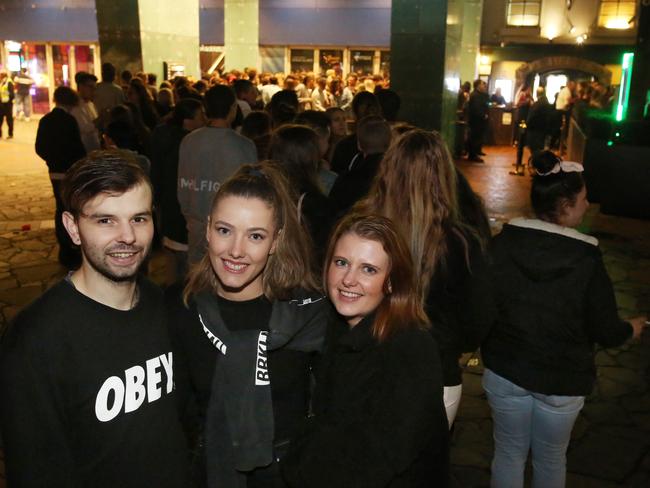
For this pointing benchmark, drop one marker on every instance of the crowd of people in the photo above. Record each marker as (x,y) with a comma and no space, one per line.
(331,268)
(538,122)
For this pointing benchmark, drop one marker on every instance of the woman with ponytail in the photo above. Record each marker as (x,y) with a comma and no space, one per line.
(251,320)
(555,301)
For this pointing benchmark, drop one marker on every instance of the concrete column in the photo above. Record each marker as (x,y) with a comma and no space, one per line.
(241,34)
(470,39)
(139,35)
(429,45)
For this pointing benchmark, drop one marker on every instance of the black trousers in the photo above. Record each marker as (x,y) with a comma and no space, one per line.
(6,112)
(475,139)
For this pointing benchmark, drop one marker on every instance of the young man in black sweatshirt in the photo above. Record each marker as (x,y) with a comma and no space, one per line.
(87,393)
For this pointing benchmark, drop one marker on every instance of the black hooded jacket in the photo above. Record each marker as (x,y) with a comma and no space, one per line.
(554,300)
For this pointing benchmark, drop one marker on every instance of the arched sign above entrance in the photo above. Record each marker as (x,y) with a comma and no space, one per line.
(551,63)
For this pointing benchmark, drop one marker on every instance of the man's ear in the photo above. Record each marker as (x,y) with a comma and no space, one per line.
(70,224)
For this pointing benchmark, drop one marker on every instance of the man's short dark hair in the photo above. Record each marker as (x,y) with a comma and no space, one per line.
(374,134)
(65,96)
(108,72)
(317,120)
(152,78)
(390,102)
(112,171)
(82,77)
(218,101)
(123,134)
(365,103)
(126,76)
(242,86)
(477,83)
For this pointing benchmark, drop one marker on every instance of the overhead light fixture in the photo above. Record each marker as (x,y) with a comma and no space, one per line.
(580,39)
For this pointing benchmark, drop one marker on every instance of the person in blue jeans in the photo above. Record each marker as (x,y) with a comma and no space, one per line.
(555,301)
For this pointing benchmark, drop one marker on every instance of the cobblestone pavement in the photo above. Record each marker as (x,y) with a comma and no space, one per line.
(611,440)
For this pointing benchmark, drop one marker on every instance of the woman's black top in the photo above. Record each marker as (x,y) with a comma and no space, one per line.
(290,369)
(379,416)
(195,358)
(459,302)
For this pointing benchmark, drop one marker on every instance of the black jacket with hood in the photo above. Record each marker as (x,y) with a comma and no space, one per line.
(555,300)
(379,418)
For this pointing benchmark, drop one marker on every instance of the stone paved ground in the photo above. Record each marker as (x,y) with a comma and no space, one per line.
(611,439)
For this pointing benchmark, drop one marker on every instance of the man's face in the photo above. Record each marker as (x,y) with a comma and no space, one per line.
(250,95)
(114,232)
(87,90)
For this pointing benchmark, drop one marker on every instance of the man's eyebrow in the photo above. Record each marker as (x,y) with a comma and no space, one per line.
(106,216)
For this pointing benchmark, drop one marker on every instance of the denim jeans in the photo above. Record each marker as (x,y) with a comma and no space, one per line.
(526,420)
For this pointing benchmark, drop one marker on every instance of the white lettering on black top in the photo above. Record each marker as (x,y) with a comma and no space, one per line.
(262,365)
(128,394)
(218,343)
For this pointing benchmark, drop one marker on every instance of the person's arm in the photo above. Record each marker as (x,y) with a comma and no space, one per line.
(32,416)
(602,321)
(371,451)
(41,145)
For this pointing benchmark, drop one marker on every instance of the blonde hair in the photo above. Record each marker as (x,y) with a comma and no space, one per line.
(416,189)
(290,266)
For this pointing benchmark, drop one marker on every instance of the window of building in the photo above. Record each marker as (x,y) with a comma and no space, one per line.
(362,62)
(331,59)
(302,60)
(384,64)
(523,12)
(616,14)
(272,58)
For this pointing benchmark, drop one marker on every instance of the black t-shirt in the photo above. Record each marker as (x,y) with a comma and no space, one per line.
(87,394)
(289,370)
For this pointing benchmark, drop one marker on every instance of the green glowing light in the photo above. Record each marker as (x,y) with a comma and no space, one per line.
(610,143)
(624,88)
(618,134)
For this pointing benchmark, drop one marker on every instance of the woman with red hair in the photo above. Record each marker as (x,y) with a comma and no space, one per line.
(379,416)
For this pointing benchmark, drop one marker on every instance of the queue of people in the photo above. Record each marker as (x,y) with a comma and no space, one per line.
(312,338)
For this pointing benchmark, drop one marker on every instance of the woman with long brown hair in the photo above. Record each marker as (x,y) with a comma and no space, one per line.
(416,187)
(296,149)
(379,419)
(246,334)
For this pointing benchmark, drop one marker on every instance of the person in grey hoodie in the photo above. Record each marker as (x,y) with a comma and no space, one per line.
(207,157)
